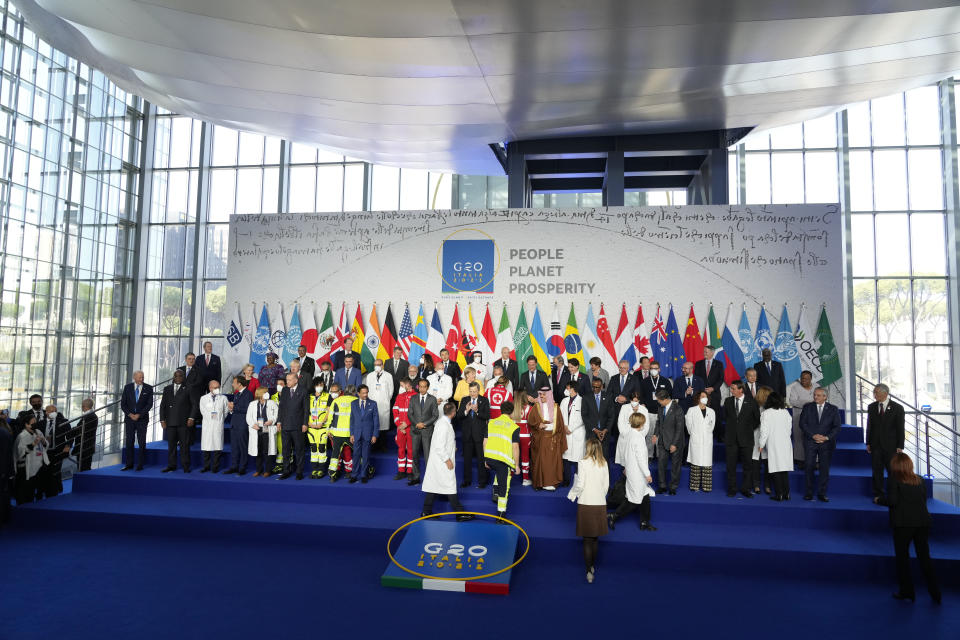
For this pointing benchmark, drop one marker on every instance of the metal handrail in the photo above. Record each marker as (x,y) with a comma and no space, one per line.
(906,404)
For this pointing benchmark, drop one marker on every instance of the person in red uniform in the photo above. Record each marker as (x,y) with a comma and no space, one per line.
(521,409)
(404,438)
(497,395)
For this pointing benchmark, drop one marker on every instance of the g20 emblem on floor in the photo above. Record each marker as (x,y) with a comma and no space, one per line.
(468,557)
(468,260)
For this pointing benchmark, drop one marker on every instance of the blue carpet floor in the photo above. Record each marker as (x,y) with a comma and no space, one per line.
(211,556)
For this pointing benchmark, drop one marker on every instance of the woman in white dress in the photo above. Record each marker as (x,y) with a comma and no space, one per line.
(623,426)
(700,421)
(576,431)
(635,467)
(590,490)
(440,476)
(759,456)
(262,425)
(799,393)
(775,440)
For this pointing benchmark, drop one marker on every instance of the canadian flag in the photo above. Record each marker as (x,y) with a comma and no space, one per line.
(641,339)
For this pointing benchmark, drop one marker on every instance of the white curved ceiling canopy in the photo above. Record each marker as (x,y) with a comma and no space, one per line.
(431,83)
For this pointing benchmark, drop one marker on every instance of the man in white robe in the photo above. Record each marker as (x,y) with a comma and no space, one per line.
(440,476)
(213,408)
(380,383)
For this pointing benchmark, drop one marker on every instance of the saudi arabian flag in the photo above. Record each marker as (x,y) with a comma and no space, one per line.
(827,350)
(521,338)
(712,335)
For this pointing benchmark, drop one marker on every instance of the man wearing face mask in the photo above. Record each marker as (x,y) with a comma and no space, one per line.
(35,411)
(448,366)
(380,385)
(338,431)
(441,386)
(58,433)
(239,427)
(326,374)
(317,432)
(213,408)
(648,390)
(404,437)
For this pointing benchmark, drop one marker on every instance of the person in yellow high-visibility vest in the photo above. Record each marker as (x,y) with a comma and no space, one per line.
(338,430)
(501,452)
(317,429)
(278,465)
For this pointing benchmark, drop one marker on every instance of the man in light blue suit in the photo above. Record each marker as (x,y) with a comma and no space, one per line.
(364,429)
(349,375)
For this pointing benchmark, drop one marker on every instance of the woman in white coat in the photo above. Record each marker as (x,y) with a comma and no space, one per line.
(590,491)
(262,423)
(799,394)
(760,477)
(775,438)
(213,409)
(30,456)
(440,476)
(635,467)
(700,422)
(624,430)
(576,431)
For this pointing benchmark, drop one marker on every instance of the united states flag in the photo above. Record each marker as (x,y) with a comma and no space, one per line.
(406,331)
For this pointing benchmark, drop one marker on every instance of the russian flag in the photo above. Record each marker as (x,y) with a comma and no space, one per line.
(733,363)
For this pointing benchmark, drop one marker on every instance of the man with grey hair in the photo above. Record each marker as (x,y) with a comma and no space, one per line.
(135,403)
(885,433)
(820,424)
(86,442)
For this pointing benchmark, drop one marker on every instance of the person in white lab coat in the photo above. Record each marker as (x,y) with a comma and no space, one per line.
(441,386)
(30,456)
(799,394)
(380,384)
(483,371)
(262,423)
(575,429)
(701,421)
(760,476)
(623,427)
(775,439)
(440,476)
(213,408)
(635,467)
(590,490)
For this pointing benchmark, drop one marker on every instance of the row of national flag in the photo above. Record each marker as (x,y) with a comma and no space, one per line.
(612,340)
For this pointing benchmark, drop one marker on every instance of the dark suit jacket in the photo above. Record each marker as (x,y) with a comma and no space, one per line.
(558,382)
(63,436)
(583,384)
(337,359)
(774,379)
(7,468)
(213,372)
(739,431)
(885,433)
(194,384)
(671,427)
(715,380)
(509,370)
(680,390)
(241,401)
(355,378)
(176,409)
(308,368)
(477,423)
(540,380)
(452,369)
(908,504)
(396,372)
(647,390)
(427,416)
(129,403)
(604,417)
(632,384)
(746,388)
(827,425)
(294,408)
(365,424)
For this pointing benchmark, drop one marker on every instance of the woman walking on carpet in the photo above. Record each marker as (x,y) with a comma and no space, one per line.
(590,491)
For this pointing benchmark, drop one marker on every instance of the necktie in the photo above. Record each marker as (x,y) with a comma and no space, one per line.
(598,401)
(176,389)
(421,403)
(707,366)
(739,404)
(187,372)
(362,404)
(753,389)
(137,396)
(768,368)
(208,359)
(623,382)
(819,412)
(569,410)
(881,409)
(531,380)
(689,383)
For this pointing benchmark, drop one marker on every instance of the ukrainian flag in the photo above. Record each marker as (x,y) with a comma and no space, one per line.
(572,342)
(538,342)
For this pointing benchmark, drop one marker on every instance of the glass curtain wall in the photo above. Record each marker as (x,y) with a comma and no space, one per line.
(69,177)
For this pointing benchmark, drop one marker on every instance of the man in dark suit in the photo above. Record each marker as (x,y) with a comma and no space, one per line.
(509,367)
(770,373)
(885,433)
(293,418)
(743,416)
(35,410)
(135,403)
(448,366)
(239,432)
(599,415)
(558,378)
(474,412)
(572,374)
(711,371)
(422,413)
(622,384)
(750,384)
(209,366)
(177,419)
(532,380)
(60,437)
(397,368)
(308,366)
(193,381)
(687,386)
(338,360)
(326,374)
(364,429)
(649,387)
(820,423)
(671,432)
(349,375)
(86,435)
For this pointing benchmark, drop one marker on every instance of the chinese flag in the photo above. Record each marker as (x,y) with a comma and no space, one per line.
(692,340)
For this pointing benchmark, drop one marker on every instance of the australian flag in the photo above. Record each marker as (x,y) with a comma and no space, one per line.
(658,341)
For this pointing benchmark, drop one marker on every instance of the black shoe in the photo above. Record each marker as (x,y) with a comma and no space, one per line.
(823,498)
(937,599)
(413,481)
(284,476)
(206,470)
(673,492)
(140,468)
(900,596)
(482,485)
(186,470)
(216,470)
(169,469)
(334,477)
(242,472)
(465,517)
(746,494)
(364,480)
(299,476)
(611,521)
(230,471)
(401,476)
(731,494)
(808,497)
(646,526)
(353,479)
(126,468)
(465,484)
(777,498)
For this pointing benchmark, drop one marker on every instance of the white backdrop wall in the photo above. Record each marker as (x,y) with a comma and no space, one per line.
(725,255)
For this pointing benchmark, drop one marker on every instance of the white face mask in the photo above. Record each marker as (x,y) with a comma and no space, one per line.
(51,414)
(655,373)
(421,360)
(334,394)
(318,388)
(566,392)
(703,401)
(378,369)
(634,403)
(477,359)
(215,391)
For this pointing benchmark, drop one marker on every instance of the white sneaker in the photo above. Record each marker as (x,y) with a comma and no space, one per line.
(527,483)
(550,488)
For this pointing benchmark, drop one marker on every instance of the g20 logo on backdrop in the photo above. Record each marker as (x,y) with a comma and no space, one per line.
(468,260)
